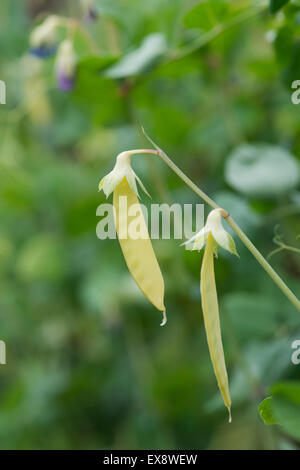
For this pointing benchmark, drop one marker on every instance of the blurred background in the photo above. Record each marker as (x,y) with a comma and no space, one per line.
(87,364)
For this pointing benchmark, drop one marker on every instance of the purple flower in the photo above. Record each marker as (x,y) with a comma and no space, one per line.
(91,15)
(65,83)
(65,66)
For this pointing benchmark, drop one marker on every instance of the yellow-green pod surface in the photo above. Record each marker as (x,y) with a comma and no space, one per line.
(212,322)
(138,252)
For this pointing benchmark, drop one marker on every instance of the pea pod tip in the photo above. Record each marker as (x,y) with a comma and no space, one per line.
(164,320)
(229,411)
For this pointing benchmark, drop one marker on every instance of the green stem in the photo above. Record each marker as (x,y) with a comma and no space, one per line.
(239,232)
(284,247)
(217,30)
(264,263)
(73,23)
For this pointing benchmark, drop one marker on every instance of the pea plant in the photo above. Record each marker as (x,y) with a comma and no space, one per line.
(55,37)
(143,265)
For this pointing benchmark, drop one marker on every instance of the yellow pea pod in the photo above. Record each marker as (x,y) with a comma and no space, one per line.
(138,252)
(212,322)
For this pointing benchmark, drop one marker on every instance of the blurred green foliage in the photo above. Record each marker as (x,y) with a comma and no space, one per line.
(87,364)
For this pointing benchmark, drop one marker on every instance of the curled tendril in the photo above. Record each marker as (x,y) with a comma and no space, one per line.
(278,240)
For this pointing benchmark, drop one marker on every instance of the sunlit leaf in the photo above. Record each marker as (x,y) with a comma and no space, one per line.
(138,61)
(265,411)
(262,170)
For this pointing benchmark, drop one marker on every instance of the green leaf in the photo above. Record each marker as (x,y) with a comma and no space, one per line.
(206,15)
(140,60)
(96,63)
(265,411)
(262,170)
(95,93)
(275,5)
(288,390)
(283,407)
(284,44)
(286,407)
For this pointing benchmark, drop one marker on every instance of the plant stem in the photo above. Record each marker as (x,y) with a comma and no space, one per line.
(83,31)
(264,263)
(239,232)
(217,30)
